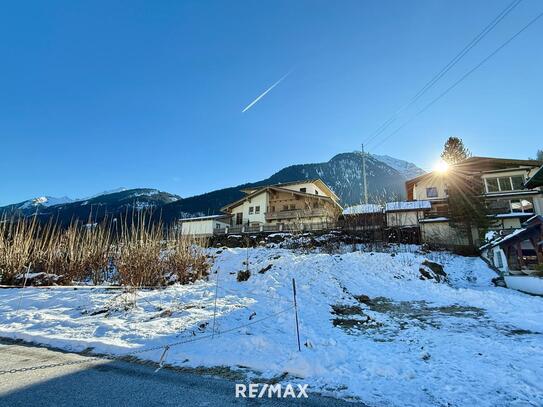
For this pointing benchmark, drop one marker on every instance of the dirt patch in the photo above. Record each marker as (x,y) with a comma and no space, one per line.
(351,317)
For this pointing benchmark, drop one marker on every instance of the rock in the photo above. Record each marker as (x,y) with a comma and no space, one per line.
(430,270)
(243,275)
(364,299)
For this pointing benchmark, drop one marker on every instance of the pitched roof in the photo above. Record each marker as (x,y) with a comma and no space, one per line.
(319,181)
(477,164)
(275,188)
(197,218)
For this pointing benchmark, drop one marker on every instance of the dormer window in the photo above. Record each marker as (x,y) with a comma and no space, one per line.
(303,189)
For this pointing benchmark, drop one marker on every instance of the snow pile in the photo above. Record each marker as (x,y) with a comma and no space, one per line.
(371,328)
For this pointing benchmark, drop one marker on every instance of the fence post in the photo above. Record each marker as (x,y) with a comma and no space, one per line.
(215,306)
(296,313)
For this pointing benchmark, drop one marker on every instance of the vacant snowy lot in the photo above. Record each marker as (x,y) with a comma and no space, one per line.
(371,329)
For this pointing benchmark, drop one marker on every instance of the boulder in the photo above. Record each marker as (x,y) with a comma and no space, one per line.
(430,270)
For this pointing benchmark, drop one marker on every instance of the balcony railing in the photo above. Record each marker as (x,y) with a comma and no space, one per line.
(295,214)
(277,227)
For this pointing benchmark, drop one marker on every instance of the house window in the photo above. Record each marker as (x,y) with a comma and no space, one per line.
(431,192)
(513,183)
(316,192)
(521,206)
(303,189)
(251,210)
(505,184)
(518,182)
(273,209)
(292,207)
(285,207)
(217,226)
(492,185)
(239,218)
(257,210)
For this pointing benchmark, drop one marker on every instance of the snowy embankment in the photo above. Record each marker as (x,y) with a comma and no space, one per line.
(371,329)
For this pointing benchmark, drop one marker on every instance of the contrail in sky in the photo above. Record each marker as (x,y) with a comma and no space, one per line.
(265,92)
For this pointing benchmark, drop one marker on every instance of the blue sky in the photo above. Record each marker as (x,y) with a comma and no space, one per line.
(102,94)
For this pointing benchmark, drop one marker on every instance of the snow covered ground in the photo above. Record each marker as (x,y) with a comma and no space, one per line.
(371,330)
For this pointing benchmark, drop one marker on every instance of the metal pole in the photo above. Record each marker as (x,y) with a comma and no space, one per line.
(296,313)
(364,180)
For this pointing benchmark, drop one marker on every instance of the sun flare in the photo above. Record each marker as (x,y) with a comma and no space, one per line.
(441,167)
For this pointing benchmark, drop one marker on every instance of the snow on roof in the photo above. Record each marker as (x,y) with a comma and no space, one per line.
(513,215)
(494,194)
(364,208)
(203,218)
(408,206)
(438,219)
(502,239)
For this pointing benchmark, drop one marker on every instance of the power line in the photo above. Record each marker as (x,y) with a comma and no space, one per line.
(461,79)
(446,68)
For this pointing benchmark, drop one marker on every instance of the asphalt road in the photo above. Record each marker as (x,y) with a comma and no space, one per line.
(116,383)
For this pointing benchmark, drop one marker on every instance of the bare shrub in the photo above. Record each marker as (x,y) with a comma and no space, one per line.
(185,259)
(138,258)
(16,246)
(143,253)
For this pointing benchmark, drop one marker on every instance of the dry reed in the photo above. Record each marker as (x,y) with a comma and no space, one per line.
(142,253)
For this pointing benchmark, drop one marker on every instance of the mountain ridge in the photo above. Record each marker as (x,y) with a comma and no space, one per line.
(342,173)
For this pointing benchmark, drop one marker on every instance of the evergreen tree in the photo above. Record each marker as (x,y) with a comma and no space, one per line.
(539,155)
(454,151)
(467,208)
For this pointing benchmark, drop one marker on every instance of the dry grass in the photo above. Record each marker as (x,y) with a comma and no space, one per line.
(141,254)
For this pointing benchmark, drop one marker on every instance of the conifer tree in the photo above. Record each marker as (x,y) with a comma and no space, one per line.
(454,151)
(467,207)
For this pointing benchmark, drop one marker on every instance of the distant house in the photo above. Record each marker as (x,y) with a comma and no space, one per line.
(299,205)
(363,217)
(406,214)
(503,183)
(203,225)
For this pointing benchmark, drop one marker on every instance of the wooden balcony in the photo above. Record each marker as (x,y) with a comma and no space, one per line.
(296,214)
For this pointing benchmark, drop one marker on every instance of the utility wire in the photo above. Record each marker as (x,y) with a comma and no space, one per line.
(445,69)
(461,79)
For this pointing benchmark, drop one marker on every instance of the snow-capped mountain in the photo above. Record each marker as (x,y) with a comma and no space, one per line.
(98,207)
(407,169)
(44,201)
